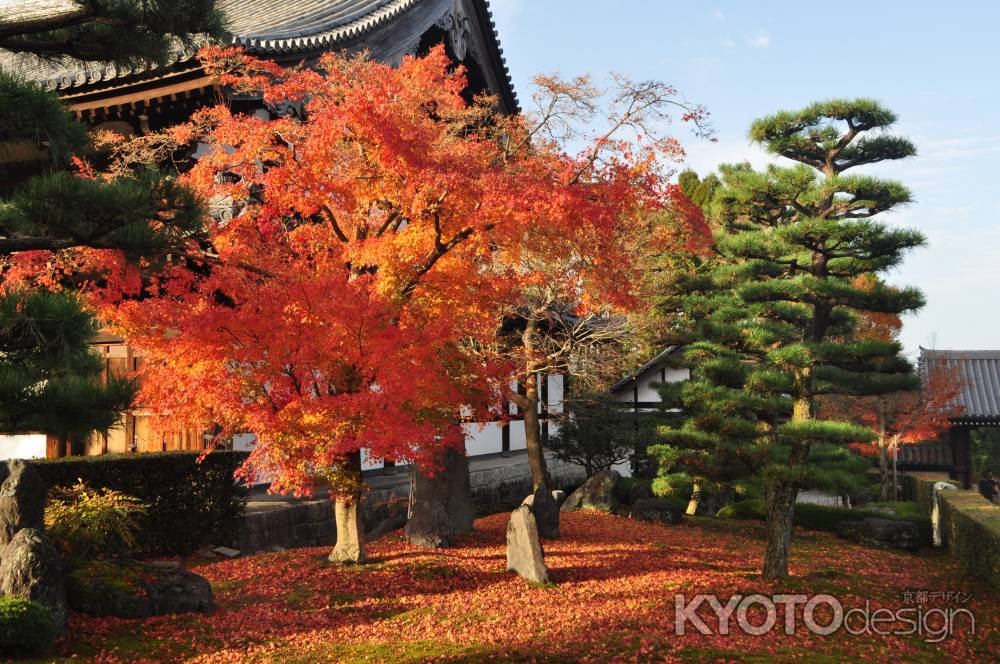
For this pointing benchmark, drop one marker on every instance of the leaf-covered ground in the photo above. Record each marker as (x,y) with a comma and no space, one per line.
(612,600)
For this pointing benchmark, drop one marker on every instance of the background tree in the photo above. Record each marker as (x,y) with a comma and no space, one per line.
(576,292)
(60,228)
(598,433)
(779,315)
(919,412)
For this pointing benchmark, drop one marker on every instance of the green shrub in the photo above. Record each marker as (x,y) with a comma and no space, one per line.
(971,526)
(826,517)
(26,627)
(87,523)
(744,509)
(189,503)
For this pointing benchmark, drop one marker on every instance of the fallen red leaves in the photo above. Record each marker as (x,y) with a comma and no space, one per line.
(613,601)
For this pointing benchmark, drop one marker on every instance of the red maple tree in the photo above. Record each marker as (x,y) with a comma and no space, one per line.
(376,236)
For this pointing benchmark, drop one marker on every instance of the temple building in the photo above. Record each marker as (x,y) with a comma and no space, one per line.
(133,101)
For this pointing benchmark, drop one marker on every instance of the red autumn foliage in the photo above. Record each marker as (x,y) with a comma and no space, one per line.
(371,243)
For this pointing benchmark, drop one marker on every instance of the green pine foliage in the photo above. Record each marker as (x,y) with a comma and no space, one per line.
(773,317)
(50,377)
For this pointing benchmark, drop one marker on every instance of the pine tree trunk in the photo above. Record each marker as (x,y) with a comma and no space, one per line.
(780,494)
(780,497)
(883,458)
(350,546)
(883,470)
(692,507)
(895,479)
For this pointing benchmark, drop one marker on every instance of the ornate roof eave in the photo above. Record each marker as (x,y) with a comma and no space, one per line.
(97,80)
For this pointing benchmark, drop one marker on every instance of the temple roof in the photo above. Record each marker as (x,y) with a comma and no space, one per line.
(979,375)
(267,28)
(659,360)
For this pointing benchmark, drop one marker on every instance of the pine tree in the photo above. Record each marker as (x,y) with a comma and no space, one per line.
(775,318)
(50,380)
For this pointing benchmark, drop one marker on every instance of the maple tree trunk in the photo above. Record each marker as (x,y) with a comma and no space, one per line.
(350,546)
(780,497)
(692,507)
(533,438)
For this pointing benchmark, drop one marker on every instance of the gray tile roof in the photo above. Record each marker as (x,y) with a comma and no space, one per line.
(264,27)
(979,373)
(655,363)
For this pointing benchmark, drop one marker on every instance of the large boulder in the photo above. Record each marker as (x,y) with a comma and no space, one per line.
(524,548)
(442,502)
(22,498)
(597,493)
(883,533)
(134,589)
(654,509)
(428,525)
(546,512)
(30,569)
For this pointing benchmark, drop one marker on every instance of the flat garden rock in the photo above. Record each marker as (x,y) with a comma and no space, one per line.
(883,533)
(30,569)
(134,589)
(524,548)
(597,493)
(22,498)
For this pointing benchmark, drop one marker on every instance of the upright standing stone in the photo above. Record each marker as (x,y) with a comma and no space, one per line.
(350,546)
(29,568)
(22,498)
(524,549)
(546,512)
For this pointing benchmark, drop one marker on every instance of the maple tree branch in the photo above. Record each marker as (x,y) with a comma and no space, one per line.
(331,220)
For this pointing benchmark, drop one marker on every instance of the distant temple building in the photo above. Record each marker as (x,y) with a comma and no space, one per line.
(135,101)
(979,400)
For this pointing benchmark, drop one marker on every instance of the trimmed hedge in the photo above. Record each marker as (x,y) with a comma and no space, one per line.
(971,529)
(919,488)
(825,517)
(190,503)
(26,627)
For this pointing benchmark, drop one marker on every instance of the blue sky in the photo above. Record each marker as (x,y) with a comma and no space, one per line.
(934,63)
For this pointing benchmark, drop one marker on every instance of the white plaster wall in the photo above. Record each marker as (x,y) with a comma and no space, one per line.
(480,438)
(648,380)
(22,446)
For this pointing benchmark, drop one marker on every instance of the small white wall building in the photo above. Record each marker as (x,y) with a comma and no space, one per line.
(640,388)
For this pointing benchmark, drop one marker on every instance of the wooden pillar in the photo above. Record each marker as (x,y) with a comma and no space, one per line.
(961,455)
(505,439)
